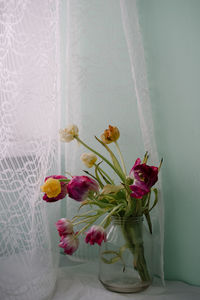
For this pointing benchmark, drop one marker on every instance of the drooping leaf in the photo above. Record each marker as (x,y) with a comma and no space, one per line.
(155,200)
(88,173)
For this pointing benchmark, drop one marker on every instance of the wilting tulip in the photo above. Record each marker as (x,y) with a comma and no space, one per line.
(69,133)
(79,187)
(96,234)
(89,159)
(54,189)
(110,135)
(64,227)
(111,189)
(144,178)
(69,243)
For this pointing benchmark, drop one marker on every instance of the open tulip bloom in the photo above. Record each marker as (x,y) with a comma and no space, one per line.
(129,197)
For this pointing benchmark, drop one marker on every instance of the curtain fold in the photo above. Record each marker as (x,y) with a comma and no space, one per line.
(29,122)
(130,21)
(107,84)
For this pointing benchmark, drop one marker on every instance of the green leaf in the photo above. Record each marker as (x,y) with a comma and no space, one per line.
(113,259)
(97,176)
(148,221)
(104,177)
(88,173)
(116,163)
(155,200)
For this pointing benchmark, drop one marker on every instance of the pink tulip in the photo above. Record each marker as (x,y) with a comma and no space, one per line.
(69,243)
(144,178)
(63,189)
(96,234)
(64,227)
(80,186)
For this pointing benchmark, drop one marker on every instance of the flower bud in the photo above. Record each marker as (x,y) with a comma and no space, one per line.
(89,159)
(110,135)
(69,133)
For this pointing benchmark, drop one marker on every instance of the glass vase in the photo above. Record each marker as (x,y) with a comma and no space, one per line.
(125,258)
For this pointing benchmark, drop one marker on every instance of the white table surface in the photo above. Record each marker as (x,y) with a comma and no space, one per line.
(80,282)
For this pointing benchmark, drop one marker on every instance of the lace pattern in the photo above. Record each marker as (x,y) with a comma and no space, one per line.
(29,109)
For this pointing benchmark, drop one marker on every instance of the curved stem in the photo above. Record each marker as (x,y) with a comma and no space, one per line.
(102,157)
(110,214)
(121,158)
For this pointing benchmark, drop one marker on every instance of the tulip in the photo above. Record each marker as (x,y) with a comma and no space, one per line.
(110,135)
(69,133)
(96,234)
(80,186)
(89,159)
(111,189)
(144,178)
(54,189)
(64,227)
(69,243)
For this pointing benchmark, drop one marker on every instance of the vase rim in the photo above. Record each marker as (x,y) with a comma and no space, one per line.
(131,219)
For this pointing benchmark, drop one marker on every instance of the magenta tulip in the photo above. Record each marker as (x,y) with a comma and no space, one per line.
(69,243)
(80,186)
(64,227)
(96,234)
(144,178)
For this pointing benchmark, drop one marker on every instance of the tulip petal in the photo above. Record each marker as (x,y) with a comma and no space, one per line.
(79,187)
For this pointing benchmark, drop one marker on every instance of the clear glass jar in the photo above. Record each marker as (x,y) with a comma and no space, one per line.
(125,258)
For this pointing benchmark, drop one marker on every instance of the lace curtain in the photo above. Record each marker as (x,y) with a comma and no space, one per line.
(103,81)
(29,122)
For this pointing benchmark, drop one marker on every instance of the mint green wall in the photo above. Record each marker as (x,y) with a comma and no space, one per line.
(171,35)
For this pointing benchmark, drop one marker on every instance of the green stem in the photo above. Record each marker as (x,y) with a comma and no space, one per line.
(83,229)
(102,157)
(84,215)
(111,213)
(87,220)
(134,239)
(121,158)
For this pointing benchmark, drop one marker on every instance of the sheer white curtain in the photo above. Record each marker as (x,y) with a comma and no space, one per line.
(106,83)
(103,82)
(29,122)
(130,21)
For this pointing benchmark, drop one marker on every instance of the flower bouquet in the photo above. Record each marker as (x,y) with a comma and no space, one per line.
(126,200)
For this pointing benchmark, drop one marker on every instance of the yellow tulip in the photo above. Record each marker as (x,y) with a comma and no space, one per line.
(51,187)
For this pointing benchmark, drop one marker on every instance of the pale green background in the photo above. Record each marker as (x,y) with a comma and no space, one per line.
(171,35)
(170,30)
